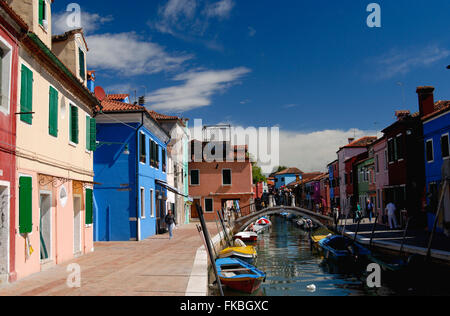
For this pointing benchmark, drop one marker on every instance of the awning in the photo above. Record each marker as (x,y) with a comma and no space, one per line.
(169,187)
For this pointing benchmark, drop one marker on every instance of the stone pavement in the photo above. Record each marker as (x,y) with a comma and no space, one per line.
(154,267)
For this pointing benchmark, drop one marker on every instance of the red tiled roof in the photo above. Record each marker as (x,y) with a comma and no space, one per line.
(362,142)
(439,107)
(116,106)
(117,97)
(290,171)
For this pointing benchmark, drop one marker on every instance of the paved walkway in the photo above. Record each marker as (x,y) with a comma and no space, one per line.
(154,267)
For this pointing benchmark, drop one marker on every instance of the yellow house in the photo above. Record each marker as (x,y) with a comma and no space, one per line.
(56,134)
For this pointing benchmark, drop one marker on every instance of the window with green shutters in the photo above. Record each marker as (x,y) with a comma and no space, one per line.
(53,113)
(74,131)
(89,207)
(82,64)
(42,12)
(91,134)
(25,205)
(26,95)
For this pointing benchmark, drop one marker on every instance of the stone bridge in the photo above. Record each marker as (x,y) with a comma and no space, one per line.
(319,219)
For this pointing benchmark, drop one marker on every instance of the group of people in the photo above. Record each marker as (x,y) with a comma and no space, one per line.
(389,216)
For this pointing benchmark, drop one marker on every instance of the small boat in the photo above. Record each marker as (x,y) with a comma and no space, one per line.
(320,234)
(306,223)
(388,263)
(246,236)
(342,248)
(239,275)
(264,222)
(241,251)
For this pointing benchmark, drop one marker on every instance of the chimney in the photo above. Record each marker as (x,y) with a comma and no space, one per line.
(351,140)
(91,81)
(426,100)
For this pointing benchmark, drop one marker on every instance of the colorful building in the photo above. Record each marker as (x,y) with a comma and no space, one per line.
(406,167)
(215,184)
(354,148)
(11,28)
(381,172)
(285,177)
(54,145)
(130,172)
(436,130)
(333,170)
(365,173)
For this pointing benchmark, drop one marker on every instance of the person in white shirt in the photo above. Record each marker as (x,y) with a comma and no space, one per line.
(390,208)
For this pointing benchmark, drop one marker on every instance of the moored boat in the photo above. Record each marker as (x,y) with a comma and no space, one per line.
(246,253)
(340,248)
(239,275)
(320,234)
(246,236)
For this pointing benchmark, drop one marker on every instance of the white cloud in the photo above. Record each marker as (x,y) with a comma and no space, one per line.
(186,18)
(90,22)
(219,9)
(313,151)
(400,62)
(128,54)
(196,91)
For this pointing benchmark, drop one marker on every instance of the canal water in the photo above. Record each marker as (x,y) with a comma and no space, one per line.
(284,254)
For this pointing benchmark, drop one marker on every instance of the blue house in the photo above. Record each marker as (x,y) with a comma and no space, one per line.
(130,172)
(436,128)
(285,177)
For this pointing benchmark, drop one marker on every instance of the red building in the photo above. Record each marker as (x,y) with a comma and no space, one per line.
(221,182)
(351,180)
(11,26)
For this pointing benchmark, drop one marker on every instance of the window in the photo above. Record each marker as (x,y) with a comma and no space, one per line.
(154,154)
(195,177)
(53,113)
(226,177)
(25,205)
(399,147)
(89,207)
(386,167)
(42,12)
(142,203)
(445,146)
(91,134)
(391,151)
(26,95)
(5,75)
(143,151)
(82,64)
(152,209)
(74,131)
(430,151)
(377,163)
(163,156)
(209,206)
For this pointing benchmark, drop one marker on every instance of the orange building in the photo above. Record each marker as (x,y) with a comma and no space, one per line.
(222,178)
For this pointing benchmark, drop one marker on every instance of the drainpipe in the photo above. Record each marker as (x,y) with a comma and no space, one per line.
(137,175)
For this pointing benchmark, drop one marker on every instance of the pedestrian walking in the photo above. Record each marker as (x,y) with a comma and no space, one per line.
(370,208)
(358,215)
(170,221)
(392,219)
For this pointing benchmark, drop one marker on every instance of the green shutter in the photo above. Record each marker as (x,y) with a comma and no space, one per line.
(25,205)
(41,11)
(74,124)
(26,95)
(53,113)
(88,133)
(82,63)
(93,134)
(89,207)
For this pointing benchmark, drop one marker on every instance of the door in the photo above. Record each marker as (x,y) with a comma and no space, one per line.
(194,211)
(77,225)
(4,228)
(45,230)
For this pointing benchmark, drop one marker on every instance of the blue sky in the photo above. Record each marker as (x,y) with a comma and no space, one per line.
(305,66)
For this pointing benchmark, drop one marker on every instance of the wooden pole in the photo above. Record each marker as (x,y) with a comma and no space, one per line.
(373,231)
(224,229)
(208,246)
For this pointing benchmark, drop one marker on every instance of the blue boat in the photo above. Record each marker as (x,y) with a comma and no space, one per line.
(239,275)
(342,248)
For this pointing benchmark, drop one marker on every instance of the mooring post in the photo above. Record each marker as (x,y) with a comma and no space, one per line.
(227,239)
(438,213)
(208,245)
(373,231)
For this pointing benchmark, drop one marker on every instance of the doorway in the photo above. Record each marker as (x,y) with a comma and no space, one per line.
(194,211)
(4,236)
(77,225)
(45,224)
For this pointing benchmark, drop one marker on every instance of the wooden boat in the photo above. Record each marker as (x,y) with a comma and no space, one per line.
(320,234)
(388,263)
(239,275)
(246,236)
(247,253)
(342,248)
(305,223)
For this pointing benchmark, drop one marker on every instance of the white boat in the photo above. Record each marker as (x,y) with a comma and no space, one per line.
(247,236)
